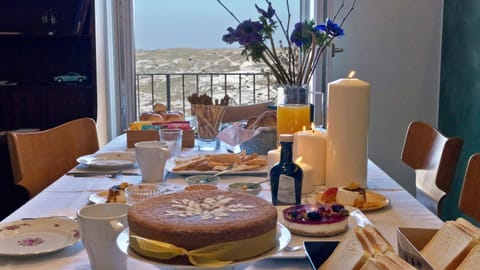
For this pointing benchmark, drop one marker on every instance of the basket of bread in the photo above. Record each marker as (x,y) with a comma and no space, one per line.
(146,129)
(265,139)
(257,135)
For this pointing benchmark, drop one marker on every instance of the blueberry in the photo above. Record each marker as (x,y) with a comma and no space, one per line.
(314,216)
(294,214)
(337,207)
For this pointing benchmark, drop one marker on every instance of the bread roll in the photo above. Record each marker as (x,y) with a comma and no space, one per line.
(173,117)
(159,107)
(151,117)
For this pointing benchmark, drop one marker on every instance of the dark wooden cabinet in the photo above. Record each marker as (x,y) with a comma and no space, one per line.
(41,39)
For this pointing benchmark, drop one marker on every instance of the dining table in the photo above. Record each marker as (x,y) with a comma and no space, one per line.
(69,194)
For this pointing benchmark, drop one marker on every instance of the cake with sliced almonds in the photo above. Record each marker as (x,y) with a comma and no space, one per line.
(218,224)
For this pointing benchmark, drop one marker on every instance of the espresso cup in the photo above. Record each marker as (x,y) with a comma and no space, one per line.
(151,159)
(100,225)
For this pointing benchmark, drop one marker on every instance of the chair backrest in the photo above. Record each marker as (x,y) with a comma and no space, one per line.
(434,158)
(243,112)
(469,202)
(39,158)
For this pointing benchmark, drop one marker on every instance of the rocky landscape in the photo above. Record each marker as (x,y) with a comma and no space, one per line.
(210,65)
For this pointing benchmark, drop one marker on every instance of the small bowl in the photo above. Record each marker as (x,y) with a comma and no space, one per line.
(203,179)
(251,188)
(140,192)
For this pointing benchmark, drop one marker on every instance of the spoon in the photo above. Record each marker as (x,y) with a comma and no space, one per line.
(207,179)
(292,248)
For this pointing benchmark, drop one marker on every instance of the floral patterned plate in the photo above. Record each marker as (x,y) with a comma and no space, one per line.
(37,236)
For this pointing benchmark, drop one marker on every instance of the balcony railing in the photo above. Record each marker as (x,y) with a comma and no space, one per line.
(173,89)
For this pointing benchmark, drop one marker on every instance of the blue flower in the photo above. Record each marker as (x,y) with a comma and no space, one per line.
(295,62)
(330,28)
(267,14)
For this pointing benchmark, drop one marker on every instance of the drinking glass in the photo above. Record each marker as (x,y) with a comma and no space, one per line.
(293,109)
(173,136)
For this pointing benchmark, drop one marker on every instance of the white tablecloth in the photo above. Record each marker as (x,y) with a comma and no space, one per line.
(68,194)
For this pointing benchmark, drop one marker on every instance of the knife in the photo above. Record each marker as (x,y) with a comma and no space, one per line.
(110,175)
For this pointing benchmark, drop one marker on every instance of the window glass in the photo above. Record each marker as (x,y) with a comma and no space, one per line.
(185,37)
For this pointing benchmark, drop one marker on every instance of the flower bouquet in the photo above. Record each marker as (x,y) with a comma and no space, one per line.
(295,63)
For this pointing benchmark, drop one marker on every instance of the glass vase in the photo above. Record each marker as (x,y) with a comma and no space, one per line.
(293,109)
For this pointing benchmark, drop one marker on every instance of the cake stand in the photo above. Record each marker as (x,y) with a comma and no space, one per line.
(283,238)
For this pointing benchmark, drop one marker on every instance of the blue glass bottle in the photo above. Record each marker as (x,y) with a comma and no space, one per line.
(286,176)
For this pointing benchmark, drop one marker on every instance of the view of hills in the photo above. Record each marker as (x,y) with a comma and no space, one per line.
(197,61)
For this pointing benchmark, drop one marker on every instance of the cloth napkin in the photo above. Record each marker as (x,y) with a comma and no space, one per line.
(236,134)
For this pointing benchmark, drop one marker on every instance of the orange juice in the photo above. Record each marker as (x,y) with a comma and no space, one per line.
(292,118)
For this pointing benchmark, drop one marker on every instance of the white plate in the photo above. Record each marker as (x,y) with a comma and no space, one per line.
(108,160)
(171,164)
(37,236)
(356,218)
(99,197)
(283,238)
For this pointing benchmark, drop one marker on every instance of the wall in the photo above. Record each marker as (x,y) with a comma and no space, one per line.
(395,46)
(459,113)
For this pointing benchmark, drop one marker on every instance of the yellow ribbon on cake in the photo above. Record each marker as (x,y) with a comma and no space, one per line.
(216,255)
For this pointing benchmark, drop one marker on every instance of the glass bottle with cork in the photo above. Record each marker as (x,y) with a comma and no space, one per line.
(286,176)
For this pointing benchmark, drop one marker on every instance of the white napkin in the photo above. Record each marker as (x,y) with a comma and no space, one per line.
(236,134)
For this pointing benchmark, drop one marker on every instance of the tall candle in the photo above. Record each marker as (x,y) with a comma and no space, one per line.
(311,146)
(347,131)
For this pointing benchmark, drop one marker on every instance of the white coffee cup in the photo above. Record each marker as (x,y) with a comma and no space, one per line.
(151,158)
(99,226)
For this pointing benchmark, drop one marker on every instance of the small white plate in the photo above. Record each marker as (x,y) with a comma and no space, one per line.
(283,238)
(99,197)
(37,236)
(108,160)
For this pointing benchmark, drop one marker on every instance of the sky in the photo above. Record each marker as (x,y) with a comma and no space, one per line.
(163,24)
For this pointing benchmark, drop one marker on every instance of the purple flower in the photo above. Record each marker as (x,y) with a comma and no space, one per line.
(229,38)
(247,32)
(301,34)
(267,14)
(330,28)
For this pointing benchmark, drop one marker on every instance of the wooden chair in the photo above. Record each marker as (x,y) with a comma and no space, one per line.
(243,112)
(469,202)
(434,158)
(39,158)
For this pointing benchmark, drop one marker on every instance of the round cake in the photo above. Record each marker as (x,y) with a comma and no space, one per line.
(215,221)
(316,219)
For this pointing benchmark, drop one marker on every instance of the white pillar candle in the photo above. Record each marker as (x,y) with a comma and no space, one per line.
(347,131)
(307,180)
(311,146)
(273,157)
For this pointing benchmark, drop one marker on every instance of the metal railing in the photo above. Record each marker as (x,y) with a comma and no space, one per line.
(173,89)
